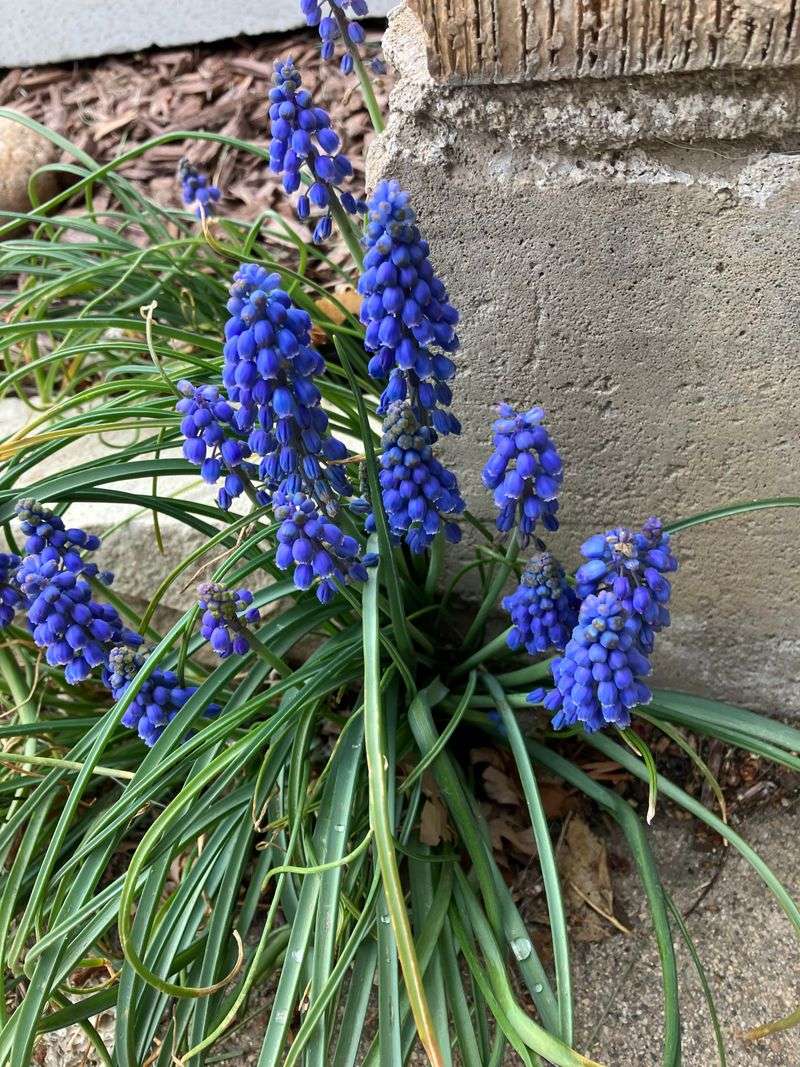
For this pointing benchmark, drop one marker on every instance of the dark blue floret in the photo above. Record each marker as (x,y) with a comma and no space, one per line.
(420,496)
(196,189)
(302,137)
(525,472)
(543,608)
(213,441)
(10,596)
(410,322)
(633,564)
(320,554)
(225,615)
(599,678)
(322,14)
(160,698)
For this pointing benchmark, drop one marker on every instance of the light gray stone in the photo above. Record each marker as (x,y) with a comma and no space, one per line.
(31,35)
(627,254)
(22,152)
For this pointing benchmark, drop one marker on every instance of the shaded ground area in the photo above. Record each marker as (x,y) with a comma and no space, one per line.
(107,106)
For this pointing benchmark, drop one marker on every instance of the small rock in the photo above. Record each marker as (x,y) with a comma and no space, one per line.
(21,153)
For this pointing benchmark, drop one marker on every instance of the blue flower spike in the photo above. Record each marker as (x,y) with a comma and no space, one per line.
(420,496)
(598,680)
(159,699)
(323,14)
(302,136)
(315,548)
(524,471)
(543,607)
(410,322)
(225,617)
(633,564)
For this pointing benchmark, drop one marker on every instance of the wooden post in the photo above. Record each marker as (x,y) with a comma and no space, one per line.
(542,40)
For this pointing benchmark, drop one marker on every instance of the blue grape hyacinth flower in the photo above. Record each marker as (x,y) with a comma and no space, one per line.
(633,564)
(525,472)
(322,14)
(159,699)
(212,440)
(197,191)
(543,607)
(75,630)
(420,496)
(598,680)
(410,322)
(43,529)
(269,371)
(319,553)
(302,136)
(224,619)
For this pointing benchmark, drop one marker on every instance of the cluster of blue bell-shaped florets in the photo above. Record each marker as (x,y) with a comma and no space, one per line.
(525,472)
(420,496)
(632,563)
(302,136)
(159,699)
(315,547)
(197,191)
(331,27)
(543,607)
(598,680)
(50,583)
(266,423)
(410,322)
(224,619)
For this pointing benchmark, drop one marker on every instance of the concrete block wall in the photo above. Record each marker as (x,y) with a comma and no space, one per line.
(627,253)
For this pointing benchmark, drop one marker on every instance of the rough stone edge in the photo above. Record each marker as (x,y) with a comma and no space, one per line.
(577,115)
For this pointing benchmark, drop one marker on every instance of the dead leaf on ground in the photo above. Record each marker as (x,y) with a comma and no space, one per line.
(433,828)
(345,295)
(585,876)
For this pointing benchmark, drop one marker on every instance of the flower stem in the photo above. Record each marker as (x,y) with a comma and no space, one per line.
(364,80)
(494,589)
(264,653)
(347,230)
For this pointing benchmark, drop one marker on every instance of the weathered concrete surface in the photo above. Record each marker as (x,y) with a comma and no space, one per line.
(95,28)
(641,280)
(744,940)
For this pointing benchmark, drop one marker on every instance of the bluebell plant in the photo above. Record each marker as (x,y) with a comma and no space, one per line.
(325,593)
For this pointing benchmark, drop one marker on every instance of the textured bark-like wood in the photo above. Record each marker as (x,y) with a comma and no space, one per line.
(531,40)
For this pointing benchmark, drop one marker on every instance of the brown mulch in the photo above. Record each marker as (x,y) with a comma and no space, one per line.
(109,105)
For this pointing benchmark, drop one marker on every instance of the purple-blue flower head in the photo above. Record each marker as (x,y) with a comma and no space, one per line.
(269,371)
(410,322)
(420,496)
(196,190)
(43,528)
(212,439)
(598,680)
(225,615)
(543,607)
(302,136)
(633,564)
(525,472)
(323,14)
(74,629)
(159,699)
(314,547)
